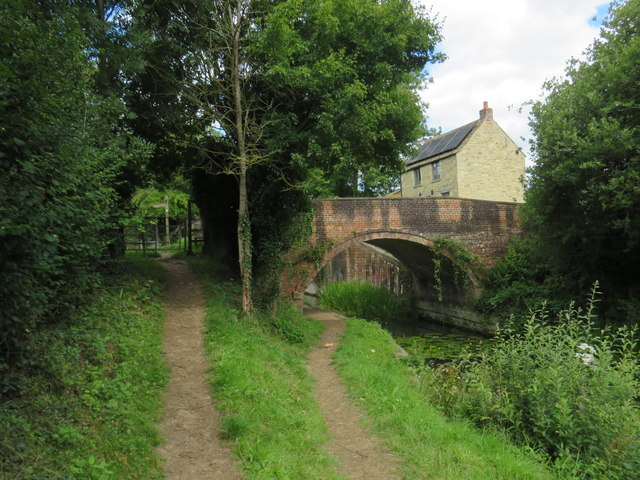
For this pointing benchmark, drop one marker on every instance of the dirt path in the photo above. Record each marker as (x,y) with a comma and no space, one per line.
(191,448)
(360,454)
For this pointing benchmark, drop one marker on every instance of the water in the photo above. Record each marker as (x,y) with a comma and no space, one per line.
(434,342)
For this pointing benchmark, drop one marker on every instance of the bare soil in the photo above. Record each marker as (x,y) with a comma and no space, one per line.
(192,449)
(359,453)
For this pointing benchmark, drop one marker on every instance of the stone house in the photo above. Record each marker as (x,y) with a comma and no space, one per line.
(478,160)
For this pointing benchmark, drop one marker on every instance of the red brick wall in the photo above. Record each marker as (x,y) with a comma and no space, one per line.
(485,227)
(364,263)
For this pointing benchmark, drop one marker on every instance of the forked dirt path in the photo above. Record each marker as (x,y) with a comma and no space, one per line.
(360,455)
(190,427)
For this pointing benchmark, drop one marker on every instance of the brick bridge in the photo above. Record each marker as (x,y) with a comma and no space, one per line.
(407,229)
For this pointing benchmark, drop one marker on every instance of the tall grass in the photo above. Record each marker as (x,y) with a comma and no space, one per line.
(431,445)
(88,406)
(261,385)
(364,300)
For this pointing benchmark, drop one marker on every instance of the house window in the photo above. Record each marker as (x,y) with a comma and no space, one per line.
(445,193)
(435,170)
(416,176)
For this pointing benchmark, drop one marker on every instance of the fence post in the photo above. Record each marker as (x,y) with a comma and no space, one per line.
(157,236)
(189,233)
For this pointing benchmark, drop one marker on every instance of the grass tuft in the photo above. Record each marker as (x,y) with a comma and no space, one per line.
(364,300)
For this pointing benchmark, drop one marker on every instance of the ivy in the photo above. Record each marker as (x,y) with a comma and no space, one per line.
(461,259)
(315,253)
(278,232)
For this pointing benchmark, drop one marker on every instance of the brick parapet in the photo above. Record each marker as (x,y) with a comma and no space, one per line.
(484,226)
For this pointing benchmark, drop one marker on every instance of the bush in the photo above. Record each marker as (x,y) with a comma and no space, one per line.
(566,389)
(519,282)
(290,325)
(88,405)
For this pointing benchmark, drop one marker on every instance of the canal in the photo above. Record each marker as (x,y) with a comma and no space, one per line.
(434,342)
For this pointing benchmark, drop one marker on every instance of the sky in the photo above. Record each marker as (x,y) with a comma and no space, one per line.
(502,51)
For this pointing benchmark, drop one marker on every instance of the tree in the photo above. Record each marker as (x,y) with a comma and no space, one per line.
(583,200)
(326,90)
(343,77)
(223,92)
(59,157)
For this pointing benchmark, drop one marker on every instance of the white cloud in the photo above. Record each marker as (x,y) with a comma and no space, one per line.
(502,51)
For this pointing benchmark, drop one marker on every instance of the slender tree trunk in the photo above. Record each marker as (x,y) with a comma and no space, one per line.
(244,224)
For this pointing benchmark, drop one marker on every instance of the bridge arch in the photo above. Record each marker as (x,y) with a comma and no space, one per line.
(414,251)
(407,228)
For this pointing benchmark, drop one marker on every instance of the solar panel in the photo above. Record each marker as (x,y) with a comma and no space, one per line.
(443,143)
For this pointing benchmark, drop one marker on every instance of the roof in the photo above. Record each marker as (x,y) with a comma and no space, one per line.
(443,143)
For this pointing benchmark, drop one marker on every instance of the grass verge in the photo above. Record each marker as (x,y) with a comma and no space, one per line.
(262,387)
(431,445)
(88,406)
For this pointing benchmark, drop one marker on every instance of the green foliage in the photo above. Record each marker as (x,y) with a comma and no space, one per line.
(460,257)
(59,159)
(281,222)
(87,406)
(345,75)
(519,282)
(315,253)
(290,325)
(583,200)
(430,445)
(145,199)
(364,300)
(564,388)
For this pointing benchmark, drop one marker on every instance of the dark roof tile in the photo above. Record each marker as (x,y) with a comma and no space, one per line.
(443,143)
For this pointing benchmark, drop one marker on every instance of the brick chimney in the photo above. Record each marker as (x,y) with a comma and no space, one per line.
(486,112)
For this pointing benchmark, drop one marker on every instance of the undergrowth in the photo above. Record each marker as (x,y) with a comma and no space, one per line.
(431,445)
(85,405)
(560,385)
(261,385)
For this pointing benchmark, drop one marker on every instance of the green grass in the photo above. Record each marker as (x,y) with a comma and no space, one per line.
(432,446)
(261,386)
(364,300)
(272,420)
(87,409)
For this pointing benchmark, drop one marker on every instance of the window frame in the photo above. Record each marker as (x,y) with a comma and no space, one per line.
(436,174)
(417,177)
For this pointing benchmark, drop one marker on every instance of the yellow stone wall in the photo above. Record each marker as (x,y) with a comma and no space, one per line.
(428,186)
(487,166)
(490,165)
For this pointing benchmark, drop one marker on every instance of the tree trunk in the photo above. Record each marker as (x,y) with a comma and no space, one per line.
(244,222)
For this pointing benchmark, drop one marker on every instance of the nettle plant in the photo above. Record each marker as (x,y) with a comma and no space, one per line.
(563,386)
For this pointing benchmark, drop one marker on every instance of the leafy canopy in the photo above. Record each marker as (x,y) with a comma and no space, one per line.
(583,200)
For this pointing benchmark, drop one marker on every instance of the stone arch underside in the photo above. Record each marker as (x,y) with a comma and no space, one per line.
(452,301)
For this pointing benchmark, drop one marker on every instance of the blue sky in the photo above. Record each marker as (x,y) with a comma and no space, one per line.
(597,19)
(502,51)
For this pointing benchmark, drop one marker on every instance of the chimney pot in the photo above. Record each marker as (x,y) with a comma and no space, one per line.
(486,112)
